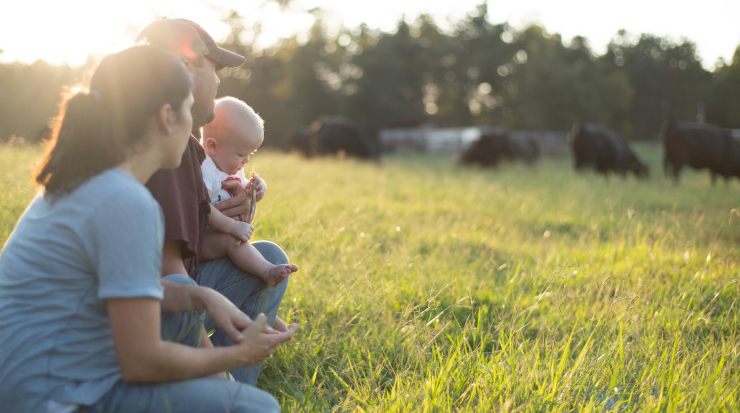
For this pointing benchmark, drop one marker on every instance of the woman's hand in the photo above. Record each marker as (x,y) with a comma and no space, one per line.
(260,340)
(225,314)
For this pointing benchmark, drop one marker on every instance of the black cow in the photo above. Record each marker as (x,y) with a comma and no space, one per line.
(699,145)
(332,136)
(599,148)
(495,146)
(302,140)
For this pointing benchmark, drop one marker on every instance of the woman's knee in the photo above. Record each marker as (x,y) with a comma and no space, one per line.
(199,395)
(179,279)
(258,402)
(242,397)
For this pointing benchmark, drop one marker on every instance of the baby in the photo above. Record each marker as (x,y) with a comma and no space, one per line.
(229,140)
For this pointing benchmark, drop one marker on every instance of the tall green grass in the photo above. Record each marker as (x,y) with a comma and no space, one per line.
(428,287)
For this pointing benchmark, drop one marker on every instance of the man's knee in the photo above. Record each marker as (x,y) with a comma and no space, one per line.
(272,252)
(183,327)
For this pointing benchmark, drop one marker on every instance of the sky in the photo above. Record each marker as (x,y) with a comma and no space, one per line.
(68,31)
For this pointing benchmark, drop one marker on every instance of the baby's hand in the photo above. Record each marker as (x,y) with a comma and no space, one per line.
(242,231)
(259,185)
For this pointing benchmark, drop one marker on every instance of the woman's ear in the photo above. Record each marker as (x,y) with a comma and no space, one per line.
(166,119)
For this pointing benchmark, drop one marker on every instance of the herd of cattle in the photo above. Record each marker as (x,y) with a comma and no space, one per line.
(593,147)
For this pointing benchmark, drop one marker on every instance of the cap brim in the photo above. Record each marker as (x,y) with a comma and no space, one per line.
(226,58)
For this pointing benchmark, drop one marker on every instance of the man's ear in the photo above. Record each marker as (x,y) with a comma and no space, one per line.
(188,64)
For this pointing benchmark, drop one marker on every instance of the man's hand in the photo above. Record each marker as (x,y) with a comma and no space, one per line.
(238,206)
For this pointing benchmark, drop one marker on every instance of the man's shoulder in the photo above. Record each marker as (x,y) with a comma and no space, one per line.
(195,149)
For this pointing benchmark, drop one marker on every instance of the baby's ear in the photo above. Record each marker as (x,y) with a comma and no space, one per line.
(209,144)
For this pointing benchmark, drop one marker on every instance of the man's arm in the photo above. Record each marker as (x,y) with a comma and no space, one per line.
(172,258)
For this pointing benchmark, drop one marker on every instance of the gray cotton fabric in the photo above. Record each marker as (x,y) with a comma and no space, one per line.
(60,264)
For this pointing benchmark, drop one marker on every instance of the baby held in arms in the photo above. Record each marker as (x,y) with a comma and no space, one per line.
(229,140)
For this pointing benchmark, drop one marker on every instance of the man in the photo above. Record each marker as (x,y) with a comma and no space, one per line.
(184,199)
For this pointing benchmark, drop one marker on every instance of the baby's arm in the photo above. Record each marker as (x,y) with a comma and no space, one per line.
(242,231)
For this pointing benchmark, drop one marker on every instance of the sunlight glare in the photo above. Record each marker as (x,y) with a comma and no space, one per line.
(71,30)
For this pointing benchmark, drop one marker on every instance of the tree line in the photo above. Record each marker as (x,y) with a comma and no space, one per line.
(477,73)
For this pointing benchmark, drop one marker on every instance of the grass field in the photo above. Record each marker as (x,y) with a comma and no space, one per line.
(424,287)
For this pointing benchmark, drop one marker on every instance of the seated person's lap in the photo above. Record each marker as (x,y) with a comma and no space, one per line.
(201,395)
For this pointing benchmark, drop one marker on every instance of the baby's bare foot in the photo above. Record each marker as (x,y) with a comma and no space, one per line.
(278,273)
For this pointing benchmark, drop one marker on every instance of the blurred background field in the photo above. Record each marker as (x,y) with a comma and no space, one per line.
(424,286)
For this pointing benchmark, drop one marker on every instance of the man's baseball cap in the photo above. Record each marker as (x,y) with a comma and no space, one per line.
(189,39)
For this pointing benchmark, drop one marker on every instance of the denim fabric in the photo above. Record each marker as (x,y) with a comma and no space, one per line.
(246,291)
(65,258)
(183,328)
(203,395)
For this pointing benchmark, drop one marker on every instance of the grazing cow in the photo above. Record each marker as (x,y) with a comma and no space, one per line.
(302,140)
(603,150)
(330,136)
(495,146)
(699,145)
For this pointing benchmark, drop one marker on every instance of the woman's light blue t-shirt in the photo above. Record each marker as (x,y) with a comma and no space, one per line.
(58,267)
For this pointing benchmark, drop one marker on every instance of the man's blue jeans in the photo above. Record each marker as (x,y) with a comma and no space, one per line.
(246,291)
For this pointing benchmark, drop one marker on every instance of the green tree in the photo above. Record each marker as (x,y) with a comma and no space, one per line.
(288,83)
(473,79)
(723,107)
(667,80)
(31,96)
(551,85)
(384,78)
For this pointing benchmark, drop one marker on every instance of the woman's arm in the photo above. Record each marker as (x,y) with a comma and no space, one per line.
(180,298)
(145,357)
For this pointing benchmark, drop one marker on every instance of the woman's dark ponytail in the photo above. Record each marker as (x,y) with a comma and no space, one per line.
(97,130)
(82,145)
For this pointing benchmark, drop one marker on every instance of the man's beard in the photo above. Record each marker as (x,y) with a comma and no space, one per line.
(200,120)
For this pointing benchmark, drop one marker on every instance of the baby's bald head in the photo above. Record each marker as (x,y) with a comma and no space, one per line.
(235,132)
(235,121)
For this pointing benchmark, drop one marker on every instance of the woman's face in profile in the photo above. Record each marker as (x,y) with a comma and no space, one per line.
(181,131)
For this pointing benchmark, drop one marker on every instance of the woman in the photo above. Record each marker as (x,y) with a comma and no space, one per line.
(81,297)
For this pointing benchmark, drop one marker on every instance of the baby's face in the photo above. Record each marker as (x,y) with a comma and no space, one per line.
(230,157)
